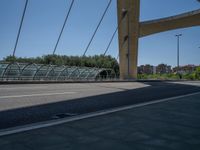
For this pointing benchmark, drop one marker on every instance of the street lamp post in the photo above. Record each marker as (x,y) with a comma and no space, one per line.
(178,47)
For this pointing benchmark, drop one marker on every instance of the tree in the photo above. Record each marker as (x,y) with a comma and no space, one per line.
(197,73)
(10,59)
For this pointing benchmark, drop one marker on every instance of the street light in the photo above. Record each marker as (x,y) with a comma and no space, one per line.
(178,36)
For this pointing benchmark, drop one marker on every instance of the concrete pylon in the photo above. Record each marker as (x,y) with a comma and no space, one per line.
(131,29)
(128,21)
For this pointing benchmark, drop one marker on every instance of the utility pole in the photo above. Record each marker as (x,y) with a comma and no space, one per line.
(178,49)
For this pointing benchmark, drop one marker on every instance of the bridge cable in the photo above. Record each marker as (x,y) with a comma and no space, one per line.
(66,18)
(107,48)
(125,12)
(19,31)
(110,42)
(114,33)
(105,11)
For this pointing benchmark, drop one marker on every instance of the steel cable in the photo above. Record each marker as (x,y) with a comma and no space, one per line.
(20,27)
(113,35)
(105,11)
(66,18)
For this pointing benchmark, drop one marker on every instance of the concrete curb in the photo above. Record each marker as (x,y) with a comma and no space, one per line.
(84,81)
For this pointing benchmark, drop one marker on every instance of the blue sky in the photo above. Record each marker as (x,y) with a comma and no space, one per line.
(44,19)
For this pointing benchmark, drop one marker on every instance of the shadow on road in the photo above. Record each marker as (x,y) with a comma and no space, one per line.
(156,90)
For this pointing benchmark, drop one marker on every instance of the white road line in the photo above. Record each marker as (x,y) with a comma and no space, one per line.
(34,95)
(17,88)
(44,124)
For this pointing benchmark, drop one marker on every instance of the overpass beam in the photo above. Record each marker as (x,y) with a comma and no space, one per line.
(184,20)
(128,21)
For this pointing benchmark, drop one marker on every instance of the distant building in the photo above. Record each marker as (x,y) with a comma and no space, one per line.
(185,69)
(163,69)
(146,69)
(154,69)
(149,69)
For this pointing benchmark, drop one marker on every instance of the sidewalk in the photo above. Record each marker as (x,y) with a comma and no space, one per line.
(168,125)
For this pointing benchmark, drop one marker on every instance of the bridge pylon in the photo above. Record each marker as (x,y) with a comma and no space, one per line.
(128,31)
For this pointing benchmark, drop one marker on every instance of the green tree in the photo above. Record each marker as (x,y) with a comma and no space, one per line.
(197,73)
(10,59)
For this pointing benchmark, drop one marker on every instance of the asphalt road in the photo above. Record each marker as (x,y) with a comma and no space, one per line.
(30,103)
(24,95)
(168,125)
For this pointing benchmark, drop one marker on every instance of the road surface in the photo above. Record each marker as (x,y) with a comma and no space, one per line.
(169,125)
(30,103)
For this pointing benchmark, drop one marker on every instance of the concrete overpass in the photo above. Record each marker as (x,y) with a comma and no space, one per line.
(179,21)
(130,30)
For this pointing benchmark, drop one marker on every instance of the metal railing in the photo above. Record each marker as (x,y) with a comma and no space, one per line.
(39,72)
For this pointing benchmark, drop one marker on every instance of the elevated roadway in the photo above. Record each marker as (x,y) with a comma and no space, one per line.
(184,20)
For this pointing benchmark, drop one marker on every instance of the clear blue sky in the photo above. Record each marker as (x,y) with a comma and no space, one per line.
(44,19)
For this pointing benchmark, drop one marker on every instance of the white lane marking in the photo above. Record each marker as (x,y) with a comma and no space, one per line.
(23,87)
(34,95)
(44,124)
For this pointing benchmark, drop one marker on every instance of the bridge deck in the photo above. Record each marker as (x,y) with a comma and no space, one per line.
(26,104)
(169,125)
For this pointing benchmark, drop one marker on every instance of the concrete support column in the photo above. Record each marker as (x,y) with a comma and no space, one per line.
(128,20)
